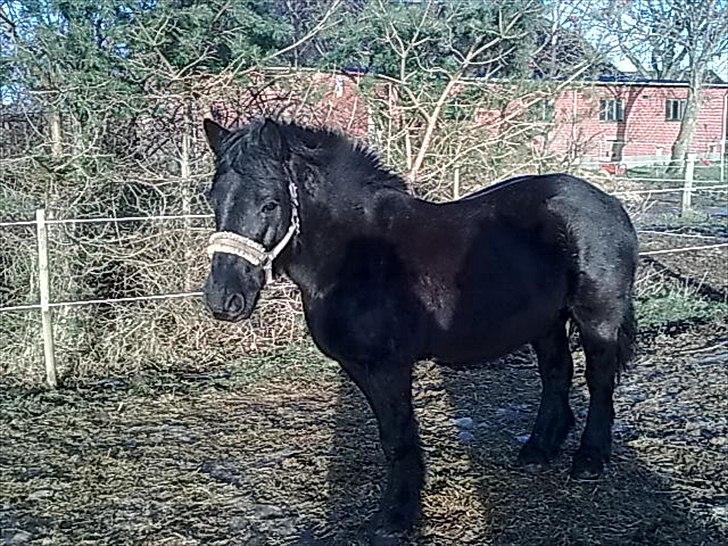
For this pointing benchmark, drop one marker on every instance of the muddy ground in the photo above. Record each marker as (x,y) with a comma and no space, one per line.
(283,451)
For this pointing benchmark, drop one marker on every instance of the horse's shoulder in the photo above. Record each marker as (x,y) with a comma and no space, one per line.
(351,322)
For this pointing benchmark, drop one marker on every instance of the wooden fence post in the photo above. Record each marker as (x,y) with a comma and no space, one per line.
(185,172)
(456,184)
(687,196)
(45,310)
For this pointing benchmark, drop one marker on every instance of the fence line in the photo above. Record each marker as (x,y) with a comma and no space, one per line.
(45,306)
(182,295)
(17,223)
(121,219)
(698,164)
(675,234)
(110,219)
(110,301)
(622,178)
(718,188)
(682,249)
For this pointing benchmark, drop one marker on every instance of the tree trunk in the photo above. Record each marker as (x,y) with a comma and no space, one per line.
(687,126)
(56,136)
(61,265)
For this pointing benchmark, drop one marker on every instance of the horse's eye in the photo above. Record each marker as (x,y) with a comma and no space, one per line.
(270,206)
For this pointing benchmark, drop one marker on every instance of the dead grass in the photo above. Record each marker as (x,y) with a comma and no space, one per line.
(282,450)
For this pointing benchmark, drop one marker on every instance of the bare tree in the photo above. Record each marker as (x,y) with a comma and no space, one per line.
(671,39)
(470,87)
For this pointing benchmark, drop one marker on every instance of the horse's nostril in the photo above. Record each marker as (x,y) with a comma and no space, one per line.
(235,303)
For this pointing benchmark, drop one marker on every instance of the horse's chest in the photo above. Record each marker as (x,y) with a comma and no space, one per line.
(361,325)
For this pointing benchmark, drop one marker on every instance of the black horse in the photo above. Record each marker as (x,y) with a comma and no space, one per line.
(388,279)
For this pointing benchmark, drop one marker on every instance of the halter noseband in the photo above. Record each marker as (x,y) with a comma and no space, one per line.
(251,251)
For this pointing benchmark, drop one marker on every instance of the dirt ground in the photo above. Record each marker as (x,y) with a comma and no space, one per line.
(283,450)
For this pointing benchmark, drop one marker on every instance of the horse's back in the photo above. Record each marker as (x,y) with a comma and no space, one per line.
(587,222)
(530,242)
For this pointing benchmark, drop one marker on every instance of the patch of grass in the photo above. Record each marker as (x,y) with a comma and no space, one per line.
(301,361)
(703,172)
(692,218)
(657,172)
(707,172)
(679,306)
(675,220)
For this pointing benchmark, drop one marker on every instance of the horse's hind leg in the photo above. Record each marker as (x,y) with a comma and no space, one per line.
(388,388)
(607,334)
(601,370)
(554,418)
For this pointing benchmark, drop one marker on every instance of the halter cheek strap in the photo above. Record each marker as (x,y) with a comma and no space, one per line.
(251,251)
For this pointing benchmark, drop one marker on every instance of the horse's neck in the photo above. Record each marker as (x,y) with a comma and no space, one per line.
(325,233)
(316,249)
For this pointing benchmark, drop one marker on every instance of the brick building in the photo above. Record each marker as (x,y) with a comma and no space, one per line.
(632,121)
(635,122)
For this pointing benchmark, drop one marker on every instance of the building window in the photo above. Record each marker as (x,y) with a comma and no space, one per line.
(675,109)
(548,109)
(615,149)
(611,110)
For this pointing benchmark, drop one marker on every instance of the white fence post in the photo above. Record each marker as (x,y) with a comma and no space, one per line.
(687,197)
(186,175)
(45,310)
(456,184)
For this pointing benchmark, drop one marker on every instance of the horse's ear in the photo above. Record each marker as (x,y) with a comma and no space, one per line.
(215,133)
(272,139)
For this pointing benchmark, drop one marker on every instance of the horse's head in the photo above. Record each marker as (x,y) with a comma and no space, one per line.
(255,208)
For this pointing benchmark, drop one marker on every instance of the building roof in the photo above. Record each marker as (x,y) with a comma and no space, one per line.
(635,78)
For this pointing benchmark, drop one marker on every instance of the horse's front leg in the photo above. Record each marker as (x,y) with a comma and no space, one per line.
(388,388)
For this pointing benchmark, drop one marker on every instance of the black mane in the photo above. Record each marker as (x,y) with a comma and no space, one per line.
(347,162)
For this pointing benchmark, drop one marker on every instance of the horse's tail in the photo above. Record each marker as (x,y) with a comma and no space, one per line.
(626,338)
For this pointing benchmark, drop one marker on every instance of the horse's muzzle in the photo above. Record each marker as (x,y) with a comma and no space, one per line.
(232,287)
(233,308)
(225,304)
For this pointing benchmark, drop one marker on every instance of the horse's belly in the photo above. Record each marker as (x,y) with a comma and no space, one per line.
(461,347)
(495,326)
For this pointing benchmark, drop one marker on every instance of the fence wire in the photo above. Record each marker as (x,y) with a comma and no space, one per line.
(105,261)
(192,294)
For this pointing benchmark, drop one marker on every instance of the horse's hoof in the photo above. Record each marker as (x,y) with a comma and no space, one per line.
(532,455)
(587,466)
(390,528)
(383,538)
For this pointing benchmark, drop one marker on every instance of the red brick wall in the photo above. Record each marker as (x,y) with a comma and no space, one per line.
(644,130)
(316,99)
(338,102)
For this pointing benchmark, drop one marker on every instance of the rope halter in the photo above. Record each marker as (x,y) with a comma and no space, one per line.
(252,251)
